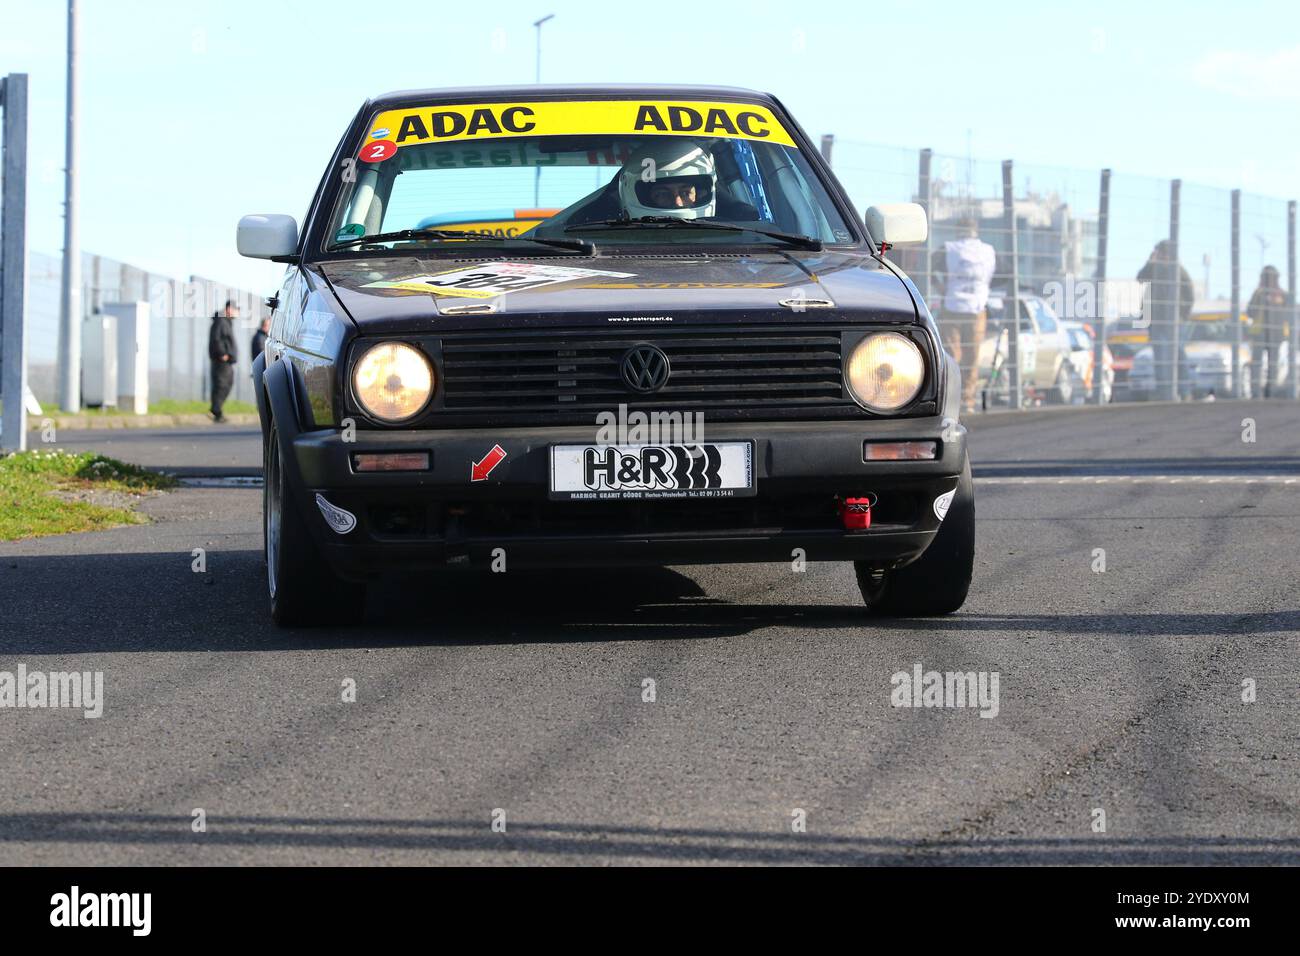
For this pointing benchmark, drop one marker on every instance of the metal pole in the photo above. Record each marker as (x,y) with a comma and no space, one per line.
(1235,308)
(828,142)
(70,302)
(1012,305)
(923,194)
(1103,251)
(13,264)
(1175,332)
(1292,371)
(537,179)
(169,325)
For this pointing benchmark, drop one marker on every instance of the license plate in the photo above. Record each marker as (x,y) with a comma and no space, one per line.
(615,472)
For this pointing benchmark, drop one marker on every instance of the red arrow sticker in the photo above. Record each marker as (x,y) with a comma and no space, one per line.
(479,470)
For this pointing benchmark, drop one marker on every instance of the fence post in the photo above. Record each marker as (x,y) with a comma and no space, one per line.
(1292,370)
(171,355)
(1235,308)
(1172,336)
(13,264)
(1011,307)
(1103,249)
(189,349)
(923,194)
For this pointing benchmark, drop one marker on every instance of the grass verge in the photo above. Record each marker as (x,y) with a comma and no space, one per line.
(55,492)
(164,406)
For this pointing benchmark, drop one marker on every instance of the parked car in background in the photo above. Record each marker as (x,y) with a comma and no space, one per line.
(1125,338)
(1046,374)
(1083,359)
(1206,367)
(1207,353)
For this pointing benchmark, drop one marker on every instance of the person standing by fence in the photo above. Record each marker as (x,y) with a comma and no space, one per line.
(965,266)
(222,354)
(1269,308)
(1169,300)
(258,345)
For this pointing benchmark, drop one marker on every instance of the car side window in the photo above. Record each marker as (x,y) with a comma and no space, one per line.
(1046,321)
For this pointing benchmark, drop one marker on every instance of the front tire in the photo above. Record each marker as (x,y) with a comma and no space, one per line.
(937,582)
(1068,389)
(302,588)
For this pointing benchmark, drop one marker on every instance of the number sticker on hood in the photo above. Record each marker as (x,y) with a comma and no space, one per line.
(493,279)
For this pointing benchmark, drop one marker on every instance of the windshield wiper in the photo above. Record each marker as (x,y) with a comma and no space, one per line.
(578,245)
(667,222)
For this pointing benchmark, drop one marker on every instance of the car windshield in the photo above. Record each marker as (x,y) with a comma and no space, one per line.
(612,172)
(1211,330)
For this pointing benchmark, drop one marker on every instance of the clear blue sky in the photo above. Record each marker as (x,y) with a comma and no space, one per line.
(196,111)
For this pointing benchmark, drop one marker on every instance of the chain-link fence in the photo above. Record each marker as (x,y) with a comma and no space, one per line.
(1123,288)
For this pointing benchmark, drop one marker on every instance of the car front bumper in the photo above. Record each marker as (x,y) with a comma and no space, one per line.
(427,519)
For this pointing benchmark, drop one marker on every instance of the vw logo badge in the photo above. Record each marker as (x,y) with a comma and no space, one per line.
(645,368)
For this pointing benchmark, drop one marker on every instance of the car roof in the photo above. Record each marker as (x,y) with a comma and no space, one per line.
(569,90)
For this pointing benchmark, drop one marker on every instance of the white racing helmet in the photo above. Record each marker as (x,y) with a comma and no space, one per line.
(671,176)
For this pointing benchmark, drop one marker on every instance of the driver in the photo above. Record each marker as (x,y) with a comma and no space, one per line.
(669,177)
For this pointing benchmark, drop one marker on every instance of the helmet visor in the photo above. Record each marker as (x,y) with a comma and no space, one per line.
(676,192)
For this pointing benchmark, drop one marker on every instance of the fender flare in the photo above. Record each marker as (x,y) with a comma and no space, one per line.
(259,395)
(279,398)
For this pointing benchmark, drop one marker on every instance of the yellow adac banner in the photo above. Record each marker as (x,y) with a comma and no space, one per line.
(493,227)
(450,123)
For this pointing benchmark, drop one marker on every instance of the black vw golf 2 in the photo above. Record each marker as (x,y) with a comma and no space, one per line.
(568,326)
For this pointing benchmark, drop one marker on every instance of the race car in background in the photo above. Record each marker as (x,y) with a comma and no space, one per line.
(1046,374)
(1206,367)
(1125,337)
(1083,359)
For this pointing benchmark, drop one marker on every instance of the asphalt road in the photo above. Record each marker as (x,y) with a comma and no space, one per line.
(1118,691)
(212,450)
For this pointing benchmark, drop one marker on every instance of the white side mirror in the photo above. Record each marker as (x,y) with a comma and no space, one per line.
(897,223)
(266,237)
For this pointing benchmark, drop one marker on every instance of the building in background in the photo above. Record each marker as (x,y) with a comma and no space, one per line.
(1052,241)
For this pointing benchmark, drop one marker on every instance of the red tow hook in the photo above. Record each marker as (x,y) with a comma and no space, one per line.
(855,513)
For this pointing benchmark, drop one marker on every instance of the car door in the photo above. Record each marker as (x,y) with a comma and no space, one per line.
(1029,346)
(1052,345)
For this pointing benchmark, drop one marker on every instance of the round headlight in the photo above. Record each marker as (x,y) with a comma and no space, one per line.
(392,381)
(885,371)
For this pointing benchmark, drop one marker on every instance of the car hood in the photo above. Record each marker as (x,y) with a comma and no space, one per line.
(393,294)
(1209,350)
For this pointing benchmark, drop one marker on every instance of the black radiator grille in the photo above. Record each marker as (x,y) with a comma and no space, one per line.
(711,369)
